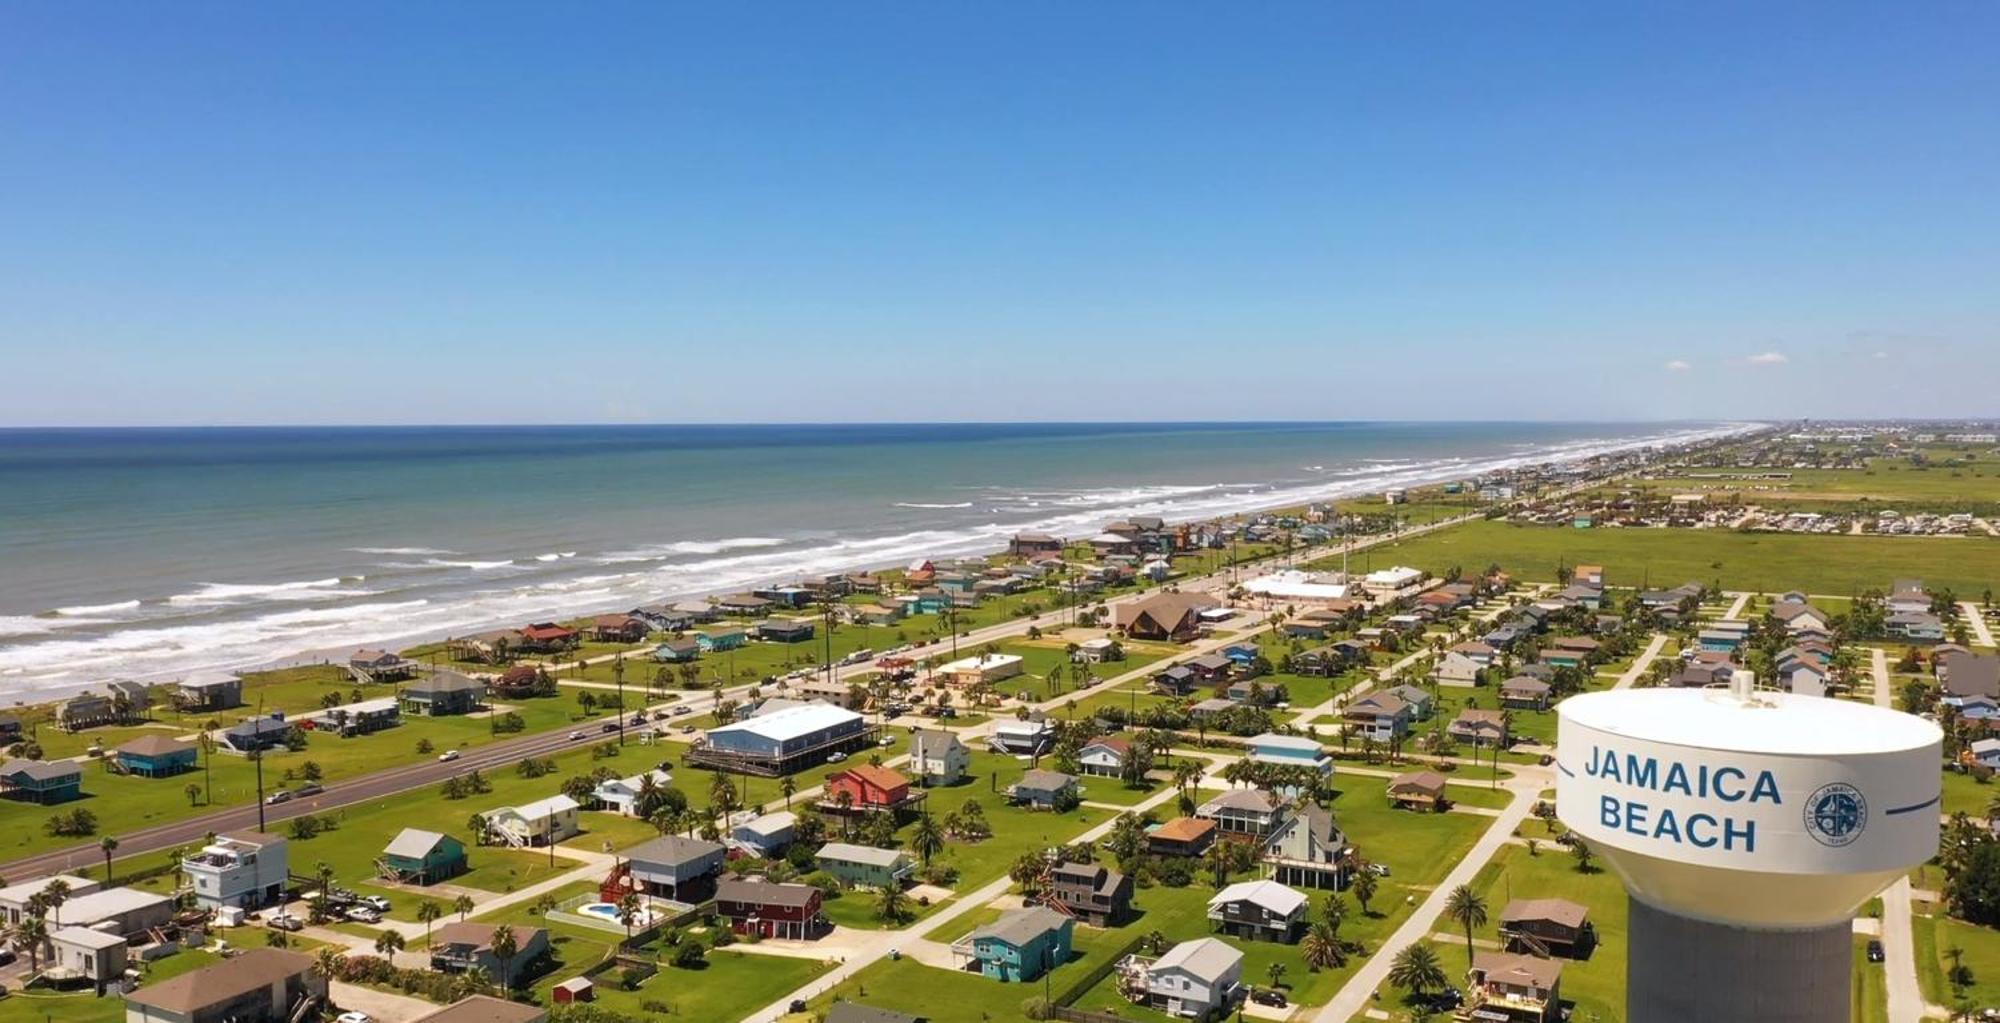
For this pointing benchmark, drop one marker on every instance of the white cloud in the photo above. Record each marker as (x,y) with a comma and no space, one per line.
(1680,365)
(1769,359)
(1881,355)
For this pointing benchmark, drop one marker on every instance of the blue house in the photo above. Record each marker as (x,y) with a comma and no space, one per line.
(1241,654)
(257,734)
(721,639)
(156,756)
(41,781)
(1289,751)
(1718,641)
(677,651)
(1020,946)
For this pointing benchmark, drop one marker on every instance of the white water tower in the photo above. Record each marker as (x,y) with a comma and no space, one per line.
(1749,828)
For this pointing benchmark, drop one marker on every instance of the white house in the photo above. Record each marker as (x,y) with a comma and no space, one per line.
(1013,735)
(1195,978)
(541,822)
(245,869)
(94,955)
(986,668)
(937,757)
(1456,669)
(766,835)
(1987,752)
(1104,756)
(621,795)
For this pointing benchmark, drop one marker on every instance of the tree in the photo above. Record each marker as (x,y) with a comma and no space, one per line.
(1276,971)
(1321,948)
(1218,861)
(891,905)
(326,965)
(505,947)
(428,913)
(109,845)
(387,943)
(193,793)
(927,838)
(33,933)
(1416,969)
(1365,884)
(1469,910)
(463,906)
(1581,850)
(628,911)
(788,787)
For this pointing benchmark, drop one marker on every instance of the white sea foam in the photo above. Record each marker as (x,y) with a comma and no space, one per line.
(97,610)
(919,504)
(476,566)
(400,550)
(555,556)
(222,593)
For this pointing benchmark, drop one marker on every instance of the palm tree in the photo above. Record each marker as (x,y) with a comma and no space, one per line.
(327,963)
(1365,883)
(927,839)
(1416,969)
(1321,948)
(193,793)
(788,787)
(34,933)
(1275,971)
(891,905)
(427,914)
(462,906)
(54,894)
(109,845)
(1217,862)
(387,944)
(628,912)
(505,946)
(1469,910)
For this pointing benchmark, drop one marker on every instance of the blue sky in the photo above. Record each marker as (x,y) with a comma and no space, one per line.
(357,212)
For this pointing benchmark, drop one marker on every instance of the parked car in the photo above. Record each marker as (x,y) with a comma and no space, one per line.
(285,922)
(354,1016)
(678,711)
(280,796)
(361,914)
(1269,996)
(887,740)
(1874,950)
(836,757)
(376,903)
(447,756)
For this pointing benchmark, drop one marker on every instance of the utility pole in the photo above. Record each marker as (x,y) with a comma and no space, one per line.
(257,757)
(618,676)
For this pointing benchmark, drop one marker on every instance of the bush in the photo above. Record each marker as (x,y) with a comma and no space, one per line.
(690,955)
(1037,1008)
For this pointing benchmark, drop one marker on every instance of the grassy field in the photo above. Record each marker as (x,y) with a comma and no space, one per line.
(1871,992)
(1886,483)
(1596,985)
(1936,936)
(1835,565)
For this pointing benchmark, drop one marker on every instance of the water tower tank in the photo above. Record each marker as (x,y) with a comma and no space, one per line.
(1748,829)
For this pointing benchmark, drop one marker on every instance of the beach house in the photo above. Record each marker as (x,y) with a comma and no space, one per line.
(766,835)
(443,693)
(41,781)
(416,856)
(1090,892)
(1289,751)
(784,741)
(1309,849)
(156,756)
(1044,790)
(1260,911)
(937,757)
(674,867)
(467,946)
(1182,836)
(1166,617)
(770,910)
(1020,946)
(542,822)
(865,866)
(245,869)
(623,796)
(1197,979)
(262,985)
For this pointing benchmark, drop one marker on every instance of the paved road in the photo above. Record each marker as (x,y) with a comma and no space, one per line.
(1879,667)
(1735,612)
(1899,956)
(1639,665)
(1977,621)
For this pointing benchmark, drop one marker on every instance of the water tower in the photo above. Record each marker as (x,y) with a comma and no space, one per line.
(1749,828)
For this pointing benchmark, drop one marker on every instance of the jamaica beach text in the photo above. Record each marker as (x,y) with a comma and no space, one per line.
(1726,785)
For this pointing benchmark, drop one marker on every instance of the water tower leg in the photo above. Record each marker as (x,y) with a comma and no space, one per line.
(1680,970)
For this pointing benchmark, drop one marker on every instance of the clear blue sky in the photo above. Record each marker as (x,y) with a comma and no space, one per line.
(490,212)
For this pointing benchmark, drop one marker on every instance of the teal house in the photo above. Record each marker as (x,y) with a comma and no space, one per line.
(40,781)
(1020,946)
(423,857)
(156,756)
(721,639)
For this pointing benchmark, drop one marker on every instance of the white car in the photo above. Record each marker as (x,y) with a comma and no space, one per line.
(376,903)
(354,1016)
(447,756)
(574,736)
(836,757)
(285,922)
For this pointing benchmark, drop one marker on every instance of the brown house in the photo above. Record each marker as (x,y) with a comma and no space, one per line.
(1090,892)
(1508,986)
(1547,927)
(1417,790)
(1182,836)
(618,629)
(1174,617)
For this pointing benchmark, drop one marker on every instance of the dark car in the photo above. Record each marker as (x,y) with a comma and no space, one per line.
(1269,996)
(609,726)
(1874,951)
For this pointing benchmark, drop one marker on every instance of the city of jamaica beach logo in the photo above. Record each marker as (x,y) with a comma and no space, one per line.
(1836,814)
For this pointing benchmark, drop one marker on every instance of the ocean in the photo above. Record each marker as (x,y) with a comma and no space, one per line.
(164,553)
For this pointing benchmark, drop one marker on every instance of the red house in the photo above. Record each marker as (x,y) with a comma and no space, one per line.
(756,906)
(869,788)
(544,637)
(617,629)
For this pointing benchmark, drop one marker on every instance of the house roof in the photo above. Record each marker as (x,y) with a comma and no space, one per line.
(444,682)
(1045,781)
(1559,911)
(480,935)
(1418,781)
(1123,747)
(485,1009)
(1474,716)
(155,746)
(1183,829)
(1269,894)
(791,722)
(548,807)
(847,852)
(770,823)
(673,849)
(255,969)
(1254,800)
(1525,971)
(764,893)
(880,777)
(85,937)
(1378,703)
(41,770)
(1524,684)
(106,903)
(413,843)
(932,741)
(1207,958)
(1022,925)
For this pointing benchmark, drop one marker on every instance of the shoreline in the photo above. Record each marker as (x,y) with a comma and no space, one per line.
(778,566)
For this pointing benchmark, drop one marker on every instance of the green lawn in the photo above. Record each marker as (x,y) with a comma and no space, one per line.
(1968,795)
(1770,562)
(1936,936)
(1418,848)
(1871,992)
